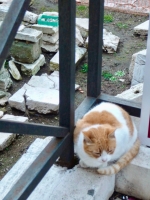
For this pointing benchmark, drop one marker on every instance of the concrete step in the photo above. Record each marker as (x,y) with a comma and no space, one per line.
(59,183)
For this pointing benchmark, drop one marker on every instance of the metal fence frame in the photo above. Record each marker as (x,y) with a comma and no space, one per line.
(62,144)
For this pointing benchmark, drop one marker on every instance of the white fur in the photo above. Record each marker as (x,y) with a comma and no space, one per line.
(124,141)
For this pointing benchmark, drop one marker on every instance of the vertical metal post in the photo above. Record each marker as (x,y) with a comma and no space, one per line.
(96,12)
(67,71)
(10,26)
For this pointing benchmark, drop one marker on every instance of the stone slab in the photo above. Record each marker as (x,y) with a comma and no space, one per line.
(89,187)
(17,100)
(50,38)
(142,29)
(7,138)
(134,180)
(45,29)
(25,52)
(134,93)
(83,26)
(59,183)
(40,94)
(42,100)
(137,66)
(5,80)
(22,165)
(29,34)
(3,10)
(32,69)
(47,81)
(30,17)
(80,53)
(49,47)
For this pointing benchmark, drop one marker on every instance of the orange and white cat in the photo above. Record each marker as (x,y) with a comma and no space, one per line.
(106,134)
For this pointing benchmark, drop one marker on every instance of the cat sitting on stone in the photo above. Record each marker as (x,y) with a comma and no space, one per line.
(106,134)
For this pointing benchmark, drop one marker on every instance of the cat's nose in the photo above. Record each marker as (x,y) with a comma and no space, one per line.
(104,159)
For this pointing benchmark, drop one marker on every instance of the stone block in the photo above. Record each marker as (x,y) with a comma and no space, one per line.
(110,42)
(134,93)
(45,29)
(30,17)
(50,47)
(91,186)
(50,38)
(142,29)
(83,25)
(134,180)
(22,165)
(32,69)
(25,52)
(51,13)
(7,138)
(79,54)
(29,34)
(137,66)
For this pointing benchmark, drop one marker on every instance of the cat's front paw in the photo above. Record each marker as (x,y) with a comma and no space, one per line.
(82,164)
(102,171)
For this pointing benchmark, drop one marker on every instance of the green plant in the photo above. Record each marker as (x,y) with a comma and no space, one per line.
(81,8)
(121,25)
(119,73)
(107,75)
(108,18)
(112,77)
(84,68)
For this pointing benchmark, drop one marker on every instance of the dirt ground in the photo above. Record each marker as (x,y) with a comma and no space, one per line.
(115,64)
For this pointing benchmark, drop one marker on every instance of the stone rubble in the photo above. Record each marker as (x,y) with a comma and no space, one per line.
(137,66)
(5,80)
(80,53)
(40,94)
(14,71)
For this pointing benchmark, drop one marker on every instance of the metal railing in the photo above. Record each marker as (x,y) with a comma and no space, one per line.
(62,145)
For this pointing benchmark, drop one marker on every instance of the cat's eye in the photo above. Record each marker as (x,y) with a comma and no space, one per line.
(110,151)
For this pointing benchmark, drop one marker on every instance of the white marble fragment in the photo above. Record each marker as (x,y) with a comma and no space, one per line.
(14,71)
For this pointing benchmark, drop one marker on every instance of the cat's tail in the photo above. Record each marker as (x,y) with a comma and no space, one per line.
(122,162)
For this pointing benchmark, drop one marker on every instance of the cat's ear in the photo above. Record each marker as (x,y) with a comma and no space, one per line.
(87,140)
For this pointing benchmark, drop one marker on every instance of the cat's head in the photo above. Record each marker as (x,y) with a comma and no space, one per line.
(99,142)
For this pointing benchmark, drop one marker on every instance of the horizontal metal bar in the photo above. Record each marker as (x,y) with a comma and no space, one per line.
(33,175)
(10,26)
(131,107)
(32,129)
(84,107)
